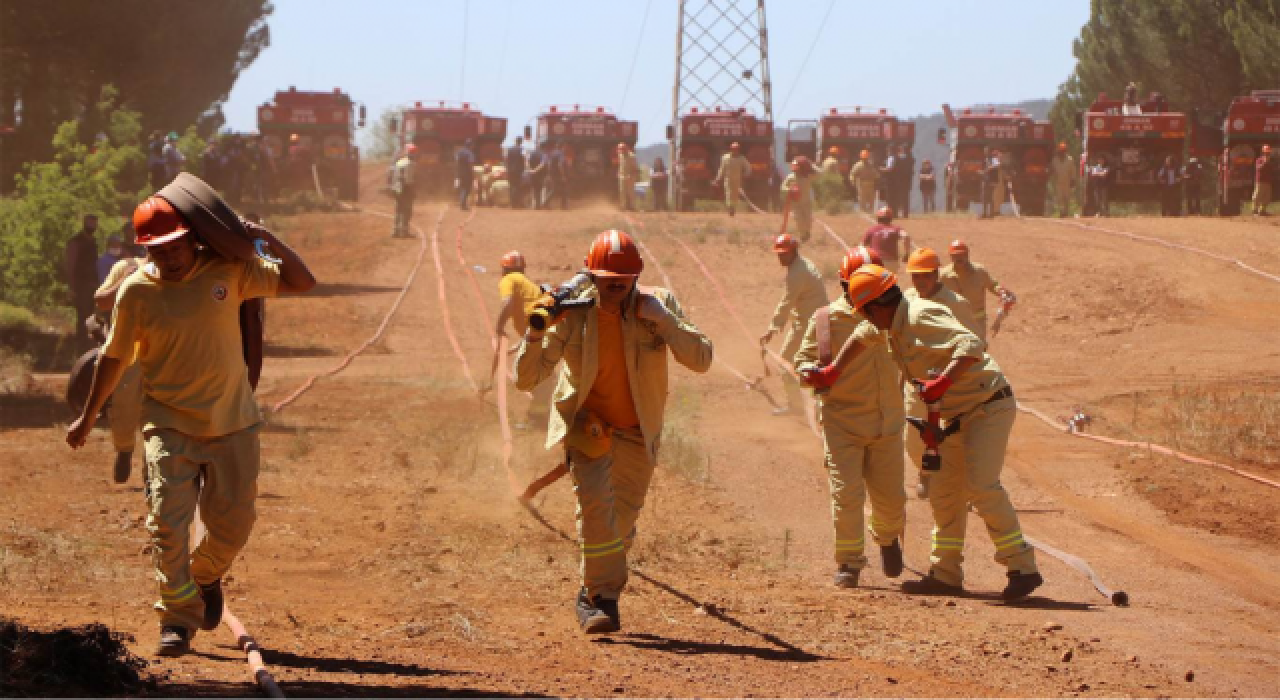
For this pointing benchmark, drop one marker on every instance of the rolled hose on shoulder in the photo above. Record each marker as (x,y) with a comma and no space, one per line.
(541,318)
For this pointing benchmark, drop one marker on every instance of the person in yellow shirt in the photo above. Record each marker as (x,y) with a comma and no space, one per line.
(519,294)
(609,405)
(126,400)
(804,294)
(799,188)
(179,318)
(949,365)
(923,266)
(862,421)
(971,281)
(733,174)
(865,175)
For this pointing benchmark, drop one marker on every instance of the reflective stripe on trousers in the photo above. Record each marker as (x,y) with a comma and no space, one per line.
(611,491)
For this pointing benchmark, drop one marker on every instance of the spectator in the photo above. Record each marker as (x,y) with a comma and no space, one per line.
(156,161)
(81,270)
(113,254)
(928,187)
(515,173)
(1263,179)
(536,176)
(464,176)
(173,158)
(557,176)
(659,183)
(1192,177)
(1167,179)
(1099,187)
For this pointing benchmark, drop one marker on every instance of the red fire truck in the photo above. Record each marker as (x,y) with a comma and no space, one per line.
(590,139)
(852,130)
(1136,145)
(704,137)
(439,129)
(1021,139)
(1251,122)
(305,129)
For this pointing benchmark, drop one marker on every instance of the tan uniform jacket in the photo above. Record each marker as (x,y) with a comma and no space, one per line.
(831,166)
(804,183)
(867,398)
(972,284)
(1063,172)
(804,294)
(864,171)
(958,305)
(627,168)
(924,336)
(404,175)
(733,169)
(575,339)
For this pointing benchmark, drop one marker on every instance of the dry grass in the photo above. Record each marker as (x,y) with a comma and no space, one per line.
(1227,421)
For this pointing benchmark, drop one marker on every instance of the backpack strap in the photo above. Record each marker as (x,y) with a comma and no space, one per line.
(822,324)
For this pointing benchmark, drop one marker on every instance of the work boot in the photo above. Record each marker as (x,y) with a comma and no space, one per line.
(786,411)
(610,607)
(931,586)
(175,640)
(730,211)
(1020,586)
(123,466)
(591,618)
(212,595)
(846,577)
(922,491)
(891,559)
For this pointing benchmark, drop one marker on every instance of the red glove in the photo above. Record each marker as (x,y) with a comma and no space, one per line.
(823,378)
(931,390)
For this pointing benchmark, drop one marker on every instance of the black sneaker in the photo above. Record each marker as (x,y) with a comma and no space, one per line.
(846,577)
(1020,586)
(212,595)
(891,559)
(123,467)
(931,586)
(175,640)
(591,618)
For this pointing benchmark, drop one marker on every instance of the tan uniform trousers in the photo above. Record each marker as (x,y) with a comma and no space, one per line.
(611,490)
(732,193)
(627,193)
(866,195)
(126,407)
(997,196)
(1261,197)
(229,467)
(980,327)
(915,408)
(858,467)
(791,343)
(540,399)
(972,460)
(802,215)
(1062,199)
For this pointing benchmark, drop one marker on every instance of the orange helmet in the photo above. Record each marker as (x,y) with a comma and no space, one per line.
(884,215)
(622,146)
(923,260)
(513,260)
(614,254)
(784,243)
(958,246)
(294,138)
(1266,148)
(735,146)
(1062,147)
(411,149)
(865,154)
(156,222)
(856,258)
(834,150)
(867,283)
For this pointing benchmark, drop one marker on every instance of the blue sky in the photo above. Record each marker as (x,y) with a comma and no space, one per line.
(516,56)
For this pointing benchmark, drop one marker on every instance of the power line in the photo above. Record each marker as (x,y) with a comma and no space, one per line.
(635,56)
(502,60)
(823,25)
(462,76)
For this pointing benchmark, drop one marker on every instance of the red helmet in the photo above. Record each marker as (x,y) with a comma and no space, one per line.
(156,222)
(513,261)
(884,215)
(784,243)
(622,146)
(614,254)
(856,258)
(411,149)
(735,146)
(958,246)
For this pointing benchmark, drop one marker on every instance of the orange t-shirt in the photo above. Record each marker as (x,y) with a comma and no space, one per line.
(610,396)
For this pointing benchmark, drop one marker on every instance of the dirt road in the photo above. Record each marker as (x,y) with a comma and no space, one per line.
(391,559)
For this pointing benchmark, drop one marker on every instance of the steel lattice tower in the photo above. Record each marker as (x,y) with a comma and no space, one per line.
(722,59)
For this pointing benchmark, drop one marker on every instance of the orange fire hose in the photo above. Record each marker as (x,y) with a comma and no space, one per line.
(444,309)
(475,285)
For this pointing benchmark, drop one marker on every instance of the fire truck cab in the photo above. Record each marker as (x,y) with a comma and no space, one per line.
(1136,145)
(1023,141)
(303,129)
(850,130)
(589,139)
(704,137)
(1251,122)
(439,129)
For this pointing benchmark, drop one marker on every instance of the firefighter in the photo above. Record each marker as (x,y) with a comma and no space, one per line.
(862,422)
(180,318)
(627,172)
(928,187)
(126,400)
(948,365)
(831,164)
(971,281)
(927,282)
(865,175)
(884,237)
(1063,173)
(1264,177)
(734,170)
(404,178)
(994,182)
(609,407)
(798,188)
(803,294)
(518,295)
(897,173)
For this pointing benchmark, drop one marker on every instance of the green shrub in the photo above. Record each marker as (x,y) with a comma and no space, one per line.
(17,319)
(829,193)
